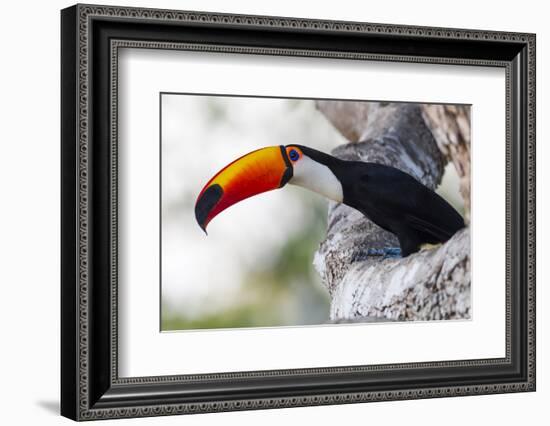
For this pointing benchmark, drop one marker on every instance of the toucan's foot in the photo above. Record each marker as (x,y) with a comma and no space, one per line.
(387,252)
(392,252)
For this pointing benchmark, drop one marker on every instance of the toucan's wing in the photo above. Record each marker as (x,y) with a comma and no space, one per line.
(440,232)
(401,203)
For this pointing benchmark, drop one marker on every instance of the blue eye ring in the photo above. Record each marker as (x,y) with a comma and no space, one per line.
(293,155)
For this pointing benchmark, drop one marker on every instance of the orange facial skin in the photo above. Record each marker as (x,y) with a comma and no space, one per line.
(292,157)
(256,172)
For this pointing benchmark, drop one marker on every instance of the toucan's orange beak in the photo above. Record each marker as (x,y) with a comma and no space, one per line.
(256,172)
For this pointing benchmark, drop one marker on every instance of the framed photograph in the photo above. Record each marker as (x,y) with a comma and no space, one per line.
(263,212)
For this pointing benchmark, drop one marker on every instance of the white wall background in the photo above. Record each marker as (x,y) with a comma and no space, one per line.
(29,225)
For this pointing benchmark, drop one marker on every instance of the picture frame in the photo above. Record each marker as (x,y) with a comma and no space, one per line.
(90,384)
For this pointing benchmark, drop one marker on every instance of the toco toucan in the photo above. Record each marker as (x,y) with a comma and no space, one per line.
(390,198)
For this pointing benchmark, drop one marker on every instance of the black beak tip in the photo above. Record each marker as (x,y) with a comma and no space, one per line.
(203,227)
(200,217)
(205,203)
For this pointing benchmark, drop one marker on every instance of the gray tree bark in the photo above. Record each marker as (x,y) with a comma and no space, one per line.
(450,125)
(433,284)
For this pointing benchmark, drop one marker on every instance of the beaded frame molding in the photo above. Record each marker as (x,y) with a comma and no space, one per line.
(91,36)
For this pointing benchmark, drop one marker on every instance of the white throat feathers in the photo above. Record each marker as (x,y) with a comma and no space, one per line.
(318,178)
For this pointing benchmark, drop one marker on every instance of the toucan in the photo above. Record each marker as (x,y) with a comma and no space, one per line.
(389,197)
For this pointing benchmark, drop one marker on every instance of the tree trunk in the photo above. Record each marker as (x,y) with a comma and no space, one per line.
(433,284)
(450,125)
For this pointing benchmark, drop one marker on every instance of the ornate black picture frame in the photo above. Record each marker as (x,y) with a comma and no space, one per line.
(90,385)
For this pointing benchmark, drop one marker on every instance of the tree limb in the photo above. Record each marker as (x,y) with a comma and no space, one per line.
(434,284)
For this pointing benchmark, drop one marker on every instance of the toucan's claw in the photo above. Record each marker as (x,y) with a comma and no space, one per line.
(387,252)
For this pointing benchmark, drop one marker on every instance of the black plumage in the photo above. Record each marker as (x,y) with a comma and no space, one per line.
(393,200)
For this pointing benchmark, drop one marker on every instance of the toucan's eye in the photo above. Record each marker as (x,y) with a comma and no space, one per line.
(293,154)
